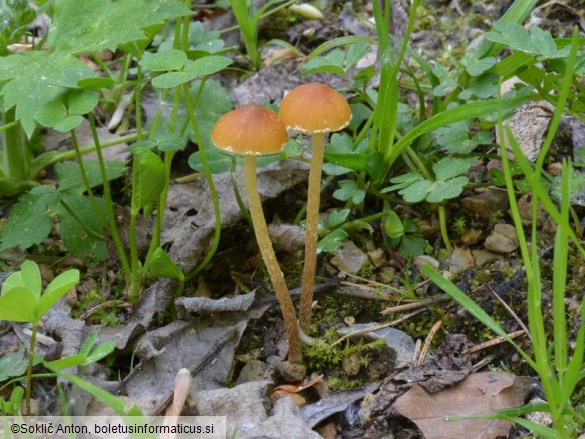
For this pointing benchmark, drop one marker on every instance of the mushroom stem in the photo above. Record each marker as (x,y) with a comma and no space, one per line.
(267,252)
(312,232)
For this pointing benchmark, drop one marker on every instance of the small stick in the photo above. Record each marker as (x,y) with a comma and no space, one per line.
(183,383)
(425,349)
(492,342)
(414,305)
(375,328)
(512,313)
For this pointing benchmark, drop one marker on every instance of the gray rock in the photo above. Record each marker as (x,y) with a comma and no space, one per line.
(349,258)
(503,239)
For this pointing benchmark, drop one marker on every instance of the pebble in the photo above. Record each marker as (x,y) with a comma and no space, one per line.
(484,257)
(460,259)
(503,239)
(349,258)
(485,203)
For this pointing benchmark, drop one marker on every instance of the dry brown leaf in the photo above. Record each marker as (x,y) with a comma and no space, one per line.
(298,399)
(478,394)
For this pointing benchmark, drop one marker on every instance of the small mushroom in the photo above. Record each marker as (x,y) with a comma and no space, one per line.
(316,109)
(253,130)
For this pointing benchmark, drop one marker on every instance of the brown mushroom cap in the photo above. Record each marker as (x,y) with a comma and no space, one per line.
(250,130)
(315,108)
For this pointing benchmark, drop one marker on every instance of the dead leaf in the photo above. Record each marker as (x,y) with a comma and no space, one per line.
(334,403)
(478,394)
(298,399)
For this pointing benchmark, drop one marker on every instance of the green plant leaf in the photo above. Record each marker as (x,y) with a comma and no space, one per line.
(17,305)
(218,161)
(446,189)
(69,175)
(85,240)
(13,364)
(95,83)
(68,123)
(31,277)
(91,26)
(162,265)
(168,141)
(148,175)
(173,59)
(349,190)
(31,219)
(201,67)
(393,225)
(35,78)
(417,191)
(208,65)
(66,362)
(81,101)
(51,113)
(55,290)
(98,352)
(213,103)
(338,217)
(451,167)
(88,343)
(332,241)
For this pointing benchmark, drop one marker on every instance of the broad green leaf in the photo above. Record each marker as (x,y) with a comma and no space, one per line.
(35,78)
(100,351)
(449,167)
(484,87)
(173,79)
(69,175)
(68,123)
(162,265)
(88,344)
(169,141)
(148,174)
(204,41)
(376,166)
(332,241)
(355,161)
(31,219)
(218,161)
(55,290)
(31,277)
(81,101)
(17,305)
(447,189)
(13,364)
(51,113)
(91,26)
(513,35)
(476,67)
(393,225)
(332,62)
(349,190)
(95,83)
(66,362)
(338,217)
(86,240)
(403,181)
(417,191)
(208,65)
(173,59)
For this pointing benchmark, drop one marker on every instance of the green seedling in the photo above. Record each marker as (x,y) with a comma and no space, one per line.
(248,20)
(21,300)
(558,363)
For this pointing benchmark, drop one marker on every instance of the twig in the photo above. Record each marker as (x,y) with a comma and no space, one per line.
(375,328)
(492,342)
(512,313)
(427,345)
(414,305)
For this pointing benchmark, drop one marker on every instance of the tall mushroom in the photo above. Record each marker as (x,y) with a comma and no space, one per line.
(253,130)
(316,109)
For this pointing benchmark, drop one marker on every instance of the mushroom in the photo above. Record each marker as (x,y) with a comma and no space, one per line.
(253,130)
(316,109)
